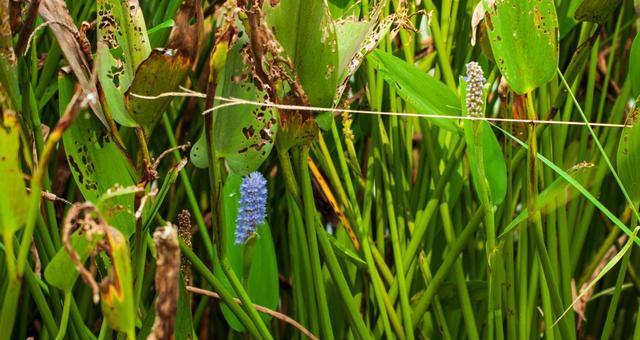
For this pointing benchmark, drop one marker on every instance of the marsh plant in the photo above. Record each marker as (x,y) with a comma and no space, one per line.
(323,169)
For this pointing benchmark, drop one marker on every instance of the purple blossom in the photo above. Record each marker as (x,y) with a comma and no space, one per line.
(252,207)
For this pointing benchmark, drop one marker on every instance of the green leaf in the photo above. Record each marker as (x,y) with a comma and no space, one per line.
(629,154)
(164,69)
(162,72)
(423,92)
(495,169)
(524,40)
(114,58)
(14,201)
(350,34)
(310,42)
(184,322)
(596,10)
(61,272)
(96,162)
(244,135)
(262,283)
(634,66)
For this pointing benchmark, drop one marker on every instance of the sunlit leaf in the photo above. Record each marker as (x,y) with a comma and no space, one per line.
(423,92)
(310,43)
(524,40)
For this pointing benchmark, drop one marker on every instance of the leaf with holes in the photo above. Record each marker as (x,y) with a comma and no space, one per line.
(14,201)
(114,58)
(310,41)
(165,69)
(244,135)
(97,163)
(524,41)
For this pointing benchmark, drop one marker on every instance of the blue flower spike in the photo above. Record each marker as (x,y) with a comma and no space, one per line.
(252,207)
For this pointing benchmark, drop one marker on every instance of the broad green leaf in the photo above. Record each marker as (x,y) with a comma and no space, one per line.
(423,92)
(113,57)
(96,162)
(524,40)
(558,193)
(244,135)
(198,154)
(495,169)
(14,201)
(164,69)
(136,29)
(61,272)
(262,283)
(162,72)
(634,66)
(596,10)
(310,42)
(629,154)
(116,296)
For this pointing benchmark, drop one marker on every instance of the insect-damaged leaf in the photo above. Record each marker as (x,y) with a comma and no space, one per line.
(165,69)
(524,40)
(14,201)
(629,154)
(310,43)
(97,163)
(117,53)
(243,134)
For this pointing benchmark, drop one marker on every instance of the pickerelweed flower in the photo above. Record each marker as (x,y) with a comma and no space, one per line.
(252,207)
(475,82)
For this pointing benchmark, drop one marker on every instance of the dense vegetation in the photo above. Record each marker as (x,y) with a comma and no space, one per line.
(319,168)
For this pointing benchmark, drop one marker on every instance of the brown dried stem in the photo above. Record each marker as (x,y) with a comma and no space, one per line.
(167,275)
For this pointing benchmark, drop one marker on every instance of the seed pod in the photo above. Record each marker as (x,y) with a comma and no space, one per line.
(475,81)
